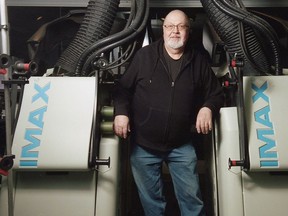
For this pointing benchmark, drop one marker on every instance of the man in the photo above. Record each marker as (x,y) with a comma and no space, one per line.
(167,88)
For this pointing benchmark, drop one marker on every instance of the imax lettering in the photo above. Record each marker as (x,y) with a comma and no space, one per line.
(267,152)
(30,152)
(260,92)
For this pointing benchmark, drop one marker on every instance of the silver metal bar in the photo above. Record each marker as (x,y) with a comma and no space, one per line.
(8,114)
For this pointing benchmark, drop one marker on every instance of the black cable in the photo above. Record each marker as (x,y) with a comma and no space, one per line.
(116,37)
(106,42)
(129,51)
(244,47)
(94,46)
(131,36)
(220,24)
(261,25)
(242,10)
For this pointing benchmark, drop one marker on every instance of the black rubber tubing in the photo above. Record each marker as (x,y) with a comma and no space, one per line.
(117,39)
(96,25)
(226,23)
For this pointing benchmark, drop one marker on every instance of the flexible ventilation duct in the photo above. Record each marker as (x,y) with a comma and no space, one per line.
(96,25)
(136,24)
(245,35)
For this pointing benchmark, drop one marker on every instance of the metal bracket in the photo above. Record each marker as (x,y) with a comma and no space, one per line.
(5,27)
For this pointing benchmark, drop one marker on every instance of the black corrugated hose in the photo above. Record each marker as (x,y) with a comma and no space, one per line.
(264,32)
(245,35)
(127,35)
(96,25)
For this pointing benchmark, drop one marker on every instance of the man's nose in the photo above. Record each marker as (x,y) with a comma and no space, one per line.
(176,29)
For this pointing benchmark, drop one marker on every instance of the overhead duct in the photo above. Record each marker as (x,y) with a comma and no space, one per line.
(246,35)
(96,25)
(136,24)
(96,35)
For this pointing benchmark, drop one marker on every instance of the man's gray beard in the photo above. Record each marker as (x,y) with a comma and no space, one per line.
(175,44)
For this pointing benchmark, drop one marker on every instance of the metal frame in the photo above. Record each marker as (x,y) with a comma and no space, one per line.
(153,3)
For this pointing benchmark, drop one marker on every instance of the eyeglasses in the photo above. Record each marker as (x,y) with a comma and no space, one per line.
(180,27)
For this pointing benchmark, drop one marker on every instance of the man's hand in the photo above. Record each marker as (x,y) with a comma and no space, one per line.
(204,120)
(121,126)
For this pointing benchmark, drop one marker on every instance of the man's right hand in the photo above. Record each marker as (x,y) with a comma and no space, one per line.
(121,126)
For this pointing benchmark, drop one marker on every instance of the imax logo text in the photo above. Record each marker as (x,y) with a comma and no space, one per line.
(30,152)
(267,150)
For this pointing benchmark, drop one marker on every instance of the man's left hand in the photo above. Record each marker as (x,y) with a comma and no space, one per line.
(204,120)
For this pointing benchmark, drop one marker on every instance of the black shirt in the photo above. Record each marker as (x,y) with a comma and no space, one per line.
(174,65)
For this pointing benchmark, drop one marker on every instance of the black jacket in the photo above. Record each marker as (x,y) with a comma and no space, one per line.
(161,111)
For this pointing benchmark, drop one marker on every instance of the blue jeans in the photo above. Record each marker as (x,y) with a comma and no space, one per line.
(147,171)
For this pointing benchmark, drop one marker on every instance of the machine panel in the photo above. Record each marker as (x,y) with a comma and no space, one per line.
(54,126)
(265,102)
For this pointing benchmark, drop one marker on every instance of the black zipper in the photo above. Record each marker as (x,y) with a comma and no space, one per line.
(165,137)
